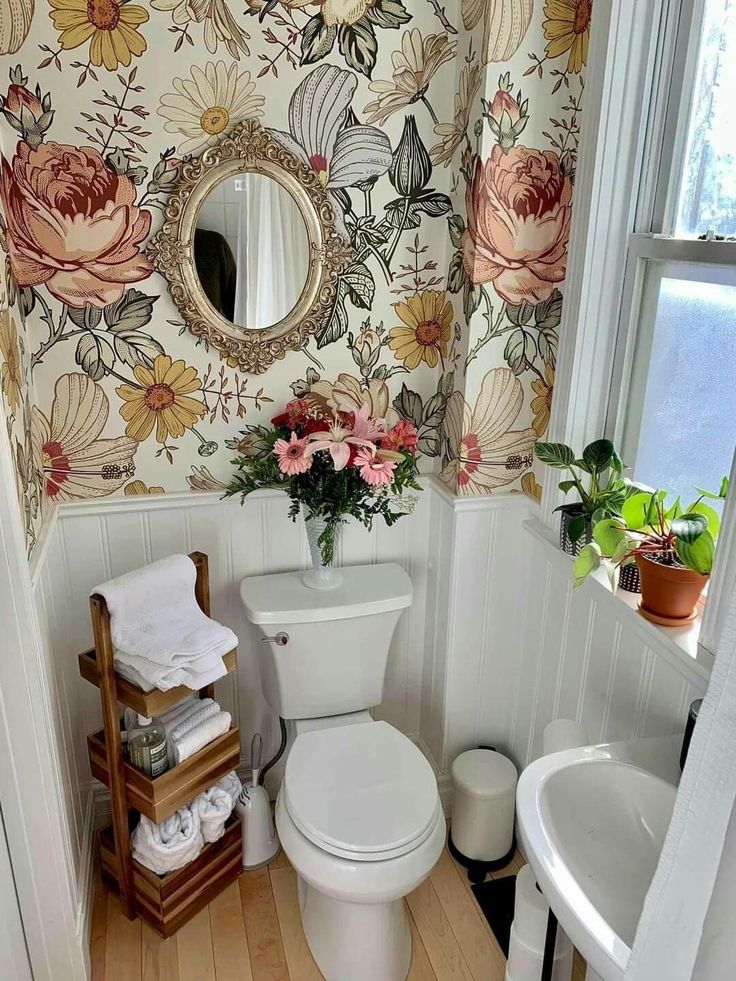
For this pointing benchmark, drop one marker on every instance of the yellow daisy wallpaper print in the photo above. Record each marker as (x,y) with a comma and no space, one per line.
(445,135)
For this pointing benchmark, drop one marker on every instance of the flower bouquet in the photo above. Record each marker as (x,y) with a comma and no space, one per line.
(333,465)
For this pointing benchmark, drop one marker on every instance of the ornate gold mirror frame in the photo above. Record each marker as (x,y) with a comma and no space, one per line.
(249,149)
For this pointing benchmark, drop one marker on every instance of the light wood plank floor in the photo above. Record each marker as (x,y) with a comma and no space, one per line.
(252,932)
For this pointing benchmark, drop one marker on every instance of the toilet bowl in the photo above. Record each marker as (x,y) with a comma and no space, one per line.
(359,818)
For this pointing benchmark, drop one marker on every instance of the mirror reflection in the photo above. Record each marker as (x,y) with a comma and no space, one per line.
(251,250)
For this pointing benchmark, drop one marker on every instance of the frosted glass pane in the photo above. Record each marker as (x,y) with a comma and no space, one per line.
(707,196)
(688,427)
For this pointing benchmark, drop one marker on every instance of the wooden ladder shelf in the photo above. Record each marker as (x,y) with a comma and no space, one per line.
(168,901)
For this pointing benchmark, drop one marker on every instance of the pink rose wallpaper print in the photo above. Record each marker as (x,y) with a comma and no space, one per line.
(445,135)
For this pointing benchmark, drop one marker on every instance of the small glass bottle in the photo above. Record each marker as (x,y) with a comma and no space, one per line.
(147,748)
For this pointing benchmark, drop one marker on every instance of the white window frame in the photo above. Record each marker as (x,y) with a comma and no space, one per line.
(632,133)
(650,259)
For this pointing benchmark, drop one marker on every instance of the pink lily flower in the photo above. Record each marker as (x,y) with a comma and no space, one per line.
(337,440)
(366,426)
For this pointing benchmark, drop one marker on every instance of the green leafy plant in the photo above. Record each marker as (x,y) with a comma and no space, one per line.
(595,476)
(674,536)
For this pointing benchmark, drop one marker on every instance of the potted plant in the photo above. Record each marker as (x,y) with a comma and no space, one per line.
(333,465)
(672,547)
(596,477)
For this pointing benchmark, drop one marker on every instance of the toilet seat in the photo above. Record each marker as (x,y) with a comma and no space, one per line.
(362,792)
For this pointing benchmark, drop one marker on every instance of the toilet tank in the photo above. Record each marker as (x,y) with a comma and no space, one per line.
(334,660)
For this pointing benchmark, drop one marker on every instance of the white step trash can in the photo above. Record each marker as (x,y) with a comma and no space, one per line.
(483,809)
(528,934)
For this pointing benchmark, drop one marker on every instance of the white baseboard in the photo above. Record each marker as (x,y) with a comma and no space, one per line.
(86,888)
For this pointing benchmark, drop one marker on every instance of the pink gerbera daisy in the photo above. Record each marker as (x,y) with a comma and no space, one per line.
(376,466)
(292,456)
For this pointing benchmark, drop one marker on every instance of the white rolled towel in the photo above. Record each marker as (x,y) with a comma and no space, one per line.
(194,718)
(214,807)
(195,739)
(231,783)
(174,720)
(173,843)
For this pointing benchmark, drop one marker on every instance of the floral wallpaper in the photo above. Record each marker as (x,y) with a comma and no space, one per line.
(453,185)
(513,153)
(16,391)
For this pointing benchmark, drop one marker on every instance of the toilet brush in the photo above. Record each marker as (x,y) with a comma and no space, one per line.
(260,841)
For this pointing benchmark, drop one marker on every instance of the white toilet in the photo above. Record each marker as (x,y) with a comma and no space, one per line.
(358,813)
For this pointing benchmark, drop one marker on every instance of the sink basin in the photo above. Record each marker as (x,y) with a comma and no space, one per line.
(592,822)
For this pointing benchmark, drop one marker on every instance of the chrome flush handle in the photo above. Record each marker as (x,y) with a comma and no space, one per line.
(281,639)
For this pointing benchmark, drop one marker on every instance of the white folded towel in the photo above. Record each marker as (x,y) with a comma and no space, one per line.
(155,620)
(175,842)
(213,807)
(148,675)
(194,739)
(130,674)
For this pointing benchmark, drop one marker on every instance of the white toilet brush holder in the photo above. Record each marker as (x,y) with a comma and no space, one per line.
(260,841)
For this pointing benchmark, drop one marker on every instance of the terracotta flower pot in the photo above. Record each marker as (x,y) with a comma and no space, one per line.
(669,594)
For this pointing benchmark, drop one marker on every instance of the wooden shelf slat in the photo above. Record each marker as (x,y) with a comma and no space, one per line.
(166,902)
(159,798)
(148,703)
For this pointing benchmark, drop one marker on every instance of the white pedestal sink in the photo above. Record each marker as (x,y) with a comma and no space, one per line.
(592,823)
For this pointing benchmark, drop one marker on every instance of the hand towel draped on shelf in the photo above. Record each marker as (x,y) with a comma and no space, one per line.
(161,637)
(178,840)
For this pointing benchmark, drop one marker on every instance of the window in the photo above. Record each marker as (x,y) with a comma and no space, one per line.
(707,192)
(673,403)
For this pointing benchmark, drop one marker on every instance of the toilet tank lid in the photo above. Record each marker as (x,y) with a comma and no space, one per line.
(365,590)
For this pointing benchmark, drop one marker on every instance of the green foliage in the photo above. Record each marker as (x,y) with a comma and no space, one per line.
(697,554)
(674,536)
(322,491)
(596,476)
(587,561)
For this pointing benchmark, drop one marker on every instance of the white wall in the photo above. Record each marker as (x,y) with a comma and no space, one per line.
(495,645)
(512,645)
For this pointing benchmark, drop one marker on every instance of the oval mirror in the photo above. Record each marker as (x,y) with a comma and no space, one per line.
(251,250)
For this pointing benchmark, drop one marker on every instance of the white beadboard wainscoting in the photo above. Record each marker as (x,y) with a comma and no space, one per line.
(495,645)
(512,646)
(91,542)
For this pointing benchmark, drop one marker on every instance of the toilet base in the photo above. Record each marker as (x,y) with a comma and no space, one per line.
(355,941)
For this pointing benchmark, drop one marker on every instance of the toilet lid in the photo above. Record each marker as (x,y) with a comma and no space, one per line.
(363,792)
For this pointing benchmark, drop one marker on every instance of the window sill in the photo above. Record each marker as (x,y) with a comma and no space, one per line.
(677,644)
